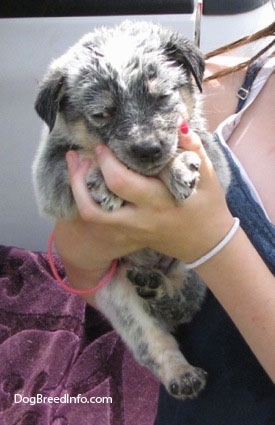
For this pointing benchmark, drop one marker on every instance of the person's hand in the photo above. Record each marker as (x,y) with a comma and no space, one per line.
(151,218)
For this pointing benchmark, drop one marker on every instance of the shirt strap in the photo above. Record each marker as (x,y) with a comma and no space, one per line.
(250,76)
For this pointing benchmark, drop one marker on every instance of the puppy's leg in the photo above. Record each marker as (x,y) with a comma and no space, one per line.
(100,192)
(181,175)
(150,342)
(175,297)
(218,159)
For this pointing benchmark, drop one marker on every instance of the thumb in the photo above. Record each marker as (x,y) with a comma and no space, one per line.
(190,141)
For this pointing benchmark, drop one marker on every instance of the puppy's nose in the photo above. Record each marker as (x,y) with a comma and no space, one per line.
(148,152)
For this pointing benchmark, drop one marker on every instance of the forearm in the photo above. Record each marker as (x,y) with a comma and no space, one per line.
(84,270)
(83,279)
(245,287)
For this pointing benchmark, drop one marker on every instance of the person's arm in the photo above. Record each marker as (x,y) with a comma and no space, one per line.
(245,287)
(237,276)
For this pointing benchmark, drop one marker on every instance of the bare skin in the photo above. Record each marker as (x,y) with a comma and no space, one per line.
(237,275)
(253,139)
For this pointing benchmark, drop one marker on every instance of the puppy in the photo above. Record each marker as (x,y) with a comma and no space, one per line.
(129,87)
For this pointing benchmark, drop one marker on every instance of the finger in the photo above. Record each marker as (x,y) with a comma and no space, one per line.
(78,168)
(89,210)
(129,185)
(189,140)
(77,165)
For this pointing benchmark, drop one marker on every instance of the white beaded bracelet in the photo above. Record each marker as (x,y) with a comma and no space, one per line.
(217,248)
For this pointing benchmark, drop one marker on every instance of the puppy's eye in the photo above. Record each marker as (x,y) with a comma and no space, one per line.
(105,114)
(163,99)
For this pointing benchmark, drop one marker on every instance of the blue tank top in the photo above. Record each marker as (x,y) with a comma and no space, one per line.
(238,390)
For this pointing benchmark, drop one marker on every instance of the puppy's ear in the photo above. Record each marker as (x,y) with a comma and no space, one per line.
(48,98)
(184,52)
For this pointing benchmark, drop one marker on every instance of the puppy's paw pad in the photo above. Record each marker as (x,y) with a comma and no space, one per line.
(146,282)
(188,384)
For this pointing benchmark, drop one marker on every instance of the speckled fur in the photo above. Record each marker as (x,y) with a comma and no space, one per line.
(129,87)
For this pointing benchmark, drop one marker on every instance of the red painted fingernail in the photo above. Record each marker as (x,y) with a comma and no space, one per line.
(184,128)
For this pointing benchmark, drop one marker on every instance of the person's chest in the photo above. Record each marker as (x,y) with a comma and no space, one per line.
(253,142)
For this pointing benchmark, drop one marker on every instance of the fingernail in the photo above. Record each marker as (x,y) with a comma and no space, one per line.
(184,128)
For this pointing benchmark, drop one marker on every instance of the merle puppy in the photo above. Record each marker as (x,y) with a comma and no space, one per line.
(129,87)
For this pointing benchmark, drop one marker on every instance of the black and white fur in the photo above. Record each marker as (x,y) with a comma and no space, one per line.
(129,87)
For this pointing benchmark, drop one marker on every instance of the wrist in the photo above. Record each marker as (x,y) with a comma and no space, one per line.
(84,276)
(205,235)
(216,248)
(225,260)
(84,279)
(81,278)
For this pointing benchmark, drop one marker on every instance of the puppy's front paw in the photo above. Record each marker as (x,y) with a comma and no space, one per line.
(184,174)
(100,192)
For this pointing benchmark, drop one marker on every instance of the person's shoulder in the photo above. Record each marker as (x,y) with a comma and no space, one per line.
(221,62)
(220,92)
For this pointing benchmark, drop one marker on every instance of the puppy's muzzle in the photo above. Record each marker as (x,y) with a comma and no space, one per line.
(147,152)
